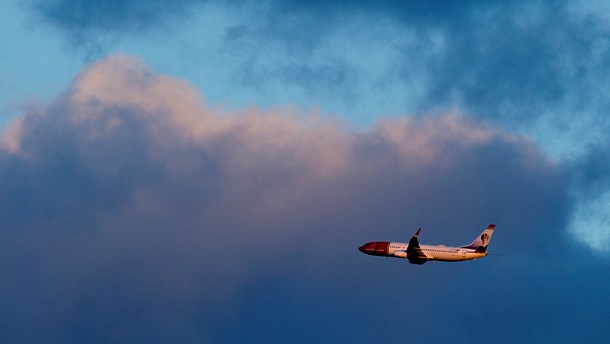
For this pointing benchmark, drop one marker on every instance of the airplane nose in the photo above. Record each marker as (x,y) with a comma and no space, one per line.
(375,248)
(362,248)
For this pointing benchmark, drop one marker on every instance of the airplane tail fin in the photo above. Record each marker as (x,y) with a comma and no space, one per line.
(480,242)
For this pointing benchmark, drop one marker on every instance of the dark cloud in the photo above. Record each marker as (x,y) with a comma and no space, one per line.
(133,212)
(94,17)
(136,16)
(93,25)
(515,63)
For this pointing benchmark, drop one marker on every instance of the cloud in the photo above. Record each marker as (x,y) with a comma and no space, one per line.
(531,67)
(591,197)
(133,211)
(536,68)
(92,17)
(93,25)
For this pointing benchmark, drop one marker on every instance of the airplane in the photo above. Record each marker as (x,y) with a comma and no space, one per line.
(419,254)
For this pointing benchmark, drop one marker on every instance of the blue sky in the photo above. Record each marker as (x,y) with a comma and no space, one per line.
(205,171)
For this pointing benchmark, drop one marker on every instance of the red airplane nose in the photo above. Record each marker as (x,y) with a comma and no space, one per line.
(362,248)
(376,248)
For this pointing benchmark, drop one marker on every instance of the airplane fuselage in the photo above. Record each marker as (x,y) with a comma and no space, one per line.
(419,254)
(433,252)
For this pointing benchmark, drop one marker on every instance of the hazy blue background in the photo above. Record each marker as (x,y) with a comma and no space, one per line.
(204,171)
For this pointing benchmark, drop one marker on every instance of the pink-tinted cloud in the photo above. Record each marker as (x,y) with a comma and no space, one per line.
(131,204)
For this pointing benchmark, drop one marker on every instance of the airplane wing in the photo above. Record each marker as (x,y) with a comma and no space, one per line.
(414,252)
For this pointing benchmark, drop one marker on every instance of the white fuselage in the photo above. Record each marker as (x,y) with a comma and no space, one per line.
(419,254)
(436,252)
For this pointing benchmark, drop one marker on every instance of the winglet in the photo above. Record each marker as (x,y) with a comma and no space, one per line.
(414,252)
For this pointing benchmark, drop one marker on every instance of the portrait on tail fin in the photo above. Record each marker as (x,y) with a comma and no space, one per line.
(484,239)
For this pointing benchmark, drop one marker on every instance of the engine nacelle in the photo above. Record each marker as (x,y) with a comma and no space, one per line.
(400,254)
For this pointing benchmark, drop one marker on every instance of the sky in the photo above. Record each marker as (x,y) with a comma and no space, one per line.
(204,171)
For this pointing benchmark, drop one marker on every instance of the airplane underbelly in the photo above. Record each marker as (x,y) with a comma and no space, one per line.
(446,256)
